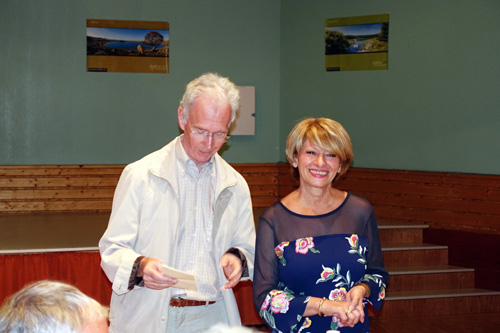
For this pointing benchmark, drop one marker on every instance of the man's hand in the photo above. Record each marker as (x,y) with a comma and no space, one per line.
(150,270)
(233,269)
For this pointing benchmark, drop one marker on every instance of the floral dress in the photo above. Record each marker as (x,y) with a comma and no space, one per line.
(316,256)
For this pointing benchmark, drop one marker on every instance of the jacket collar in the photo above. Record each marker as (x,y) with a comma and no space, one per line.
(164,167)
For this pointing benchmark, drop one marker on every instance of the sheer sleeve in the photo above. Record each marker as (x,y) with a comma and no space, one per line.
(376,275)
(280,308)
(266,263)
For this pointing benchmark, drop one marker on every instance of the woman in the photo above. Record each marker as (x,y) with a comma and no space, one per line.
(318,256)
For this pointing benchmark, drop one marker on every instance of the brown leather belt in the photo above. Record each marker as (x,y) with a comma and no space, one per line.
(178,302)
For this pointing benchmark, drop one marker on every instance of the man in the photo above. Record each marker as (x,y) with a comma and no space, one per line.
(185,207)
(50,306)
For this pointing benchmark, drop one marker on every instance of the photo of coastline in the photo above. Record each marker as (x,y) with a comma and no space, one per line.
(127,46)
(127,42)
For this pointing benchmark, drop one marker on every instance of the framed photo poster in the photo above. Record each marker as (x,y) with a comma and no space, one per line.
(127,46)
(357,43)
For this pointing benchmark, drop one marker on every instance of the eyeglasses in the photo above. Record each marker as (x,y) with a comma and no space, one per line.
(216,136)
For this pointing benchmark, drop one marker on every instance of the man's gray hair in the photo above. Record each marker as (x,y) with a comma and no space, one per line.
(49,307)
(216,86)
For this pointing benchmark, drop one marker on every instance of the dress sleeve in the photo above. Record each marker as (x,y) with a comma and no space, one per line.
(376,276)
(278,306)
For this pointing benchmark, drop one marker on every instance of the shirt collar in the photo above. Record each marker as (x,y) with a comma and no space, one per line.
(187,164)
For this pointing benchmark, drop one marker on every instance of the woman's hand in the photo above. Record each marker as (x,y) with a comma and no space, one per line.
(355,298)
(341,310)
(331,308)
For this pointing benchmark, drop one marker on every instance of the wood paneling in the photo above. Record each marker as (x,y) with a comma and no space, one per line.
(442,200)
(450,201)
(33,189)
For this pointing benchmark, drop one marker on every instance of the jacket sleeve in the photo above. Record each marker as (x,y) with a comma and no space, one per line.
(244,235)
(117,244)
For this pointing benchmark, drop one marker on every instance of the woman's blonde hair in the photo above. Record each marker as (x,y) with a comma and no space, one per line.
(324,133)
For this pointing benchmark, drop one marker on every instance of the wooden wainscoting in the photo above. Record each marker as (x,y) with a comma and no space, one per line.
(36,189)
(452,201)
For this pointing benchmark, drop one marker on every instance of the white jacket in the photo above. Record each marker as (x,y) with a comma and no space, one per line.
(144,221)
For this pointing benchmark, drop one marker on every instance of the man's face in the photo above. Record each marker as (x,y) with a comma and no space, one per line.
(206,128)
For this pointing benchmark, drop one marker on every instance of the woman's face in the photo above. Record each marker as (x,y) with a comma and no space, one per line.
(317,167)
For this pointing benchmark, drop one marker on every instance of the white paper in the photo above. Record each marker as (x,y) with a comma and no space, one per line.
(185,280)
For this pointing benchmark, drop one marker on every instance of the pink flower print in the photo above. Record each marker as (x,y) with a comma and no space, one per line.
(307,323)
(353,240)
(266,302)
(279,304)
(381,295)
(327,274)
(274,292)
(327,271)
(280,248)
(303,245)
(338,295)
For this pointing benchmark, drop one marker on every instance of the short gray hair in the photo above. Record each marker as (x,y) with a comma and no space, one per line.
(49,307)
(217,86)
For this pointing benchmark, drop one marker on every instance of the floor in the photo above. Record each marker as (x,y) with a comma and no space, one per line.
(480,323)
(51,231)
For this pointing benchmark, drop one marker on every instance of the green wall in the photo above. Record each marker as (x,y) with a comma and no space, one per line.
(54,112)
(435,109)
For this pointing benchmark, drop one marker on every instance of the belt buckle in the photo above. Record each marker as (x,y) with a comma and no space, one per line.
(177,298)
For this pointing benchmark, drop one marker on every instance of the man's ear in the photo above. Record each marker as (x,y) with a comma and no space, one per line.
(180,118)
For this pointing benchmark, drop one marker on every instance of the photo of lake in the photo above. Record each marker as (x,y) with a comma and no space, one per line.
(357,38)
(357,43)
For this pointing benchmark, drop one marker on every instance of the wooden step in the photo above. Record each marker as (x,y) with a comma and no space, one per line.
(414,254)
(459,323)
(429,278)
(391,230)
(440,302)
